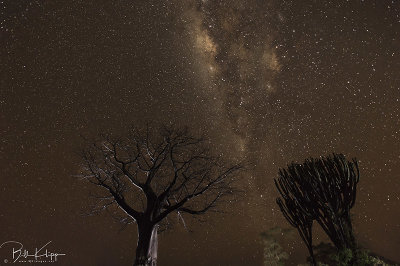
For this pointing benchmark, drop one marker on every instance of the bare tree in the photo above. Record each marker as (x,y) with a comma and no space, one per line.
(151,174)
(323,190)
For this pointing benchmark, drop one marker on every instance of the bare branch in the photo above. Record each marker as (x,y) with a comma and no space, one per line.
(151,168)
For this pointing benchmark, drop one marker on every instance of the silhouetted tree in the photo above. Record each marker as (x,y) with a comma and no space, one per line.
(153,174)
(323,190)
(297,217)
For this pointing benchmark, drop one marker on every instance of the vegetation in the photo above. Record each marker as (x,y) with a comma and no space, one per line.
(152,173)
(321,190)
(327,255)
(274,254)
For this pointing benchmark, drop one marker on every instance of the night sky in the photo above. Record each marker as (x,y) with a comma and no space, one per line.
(269,82)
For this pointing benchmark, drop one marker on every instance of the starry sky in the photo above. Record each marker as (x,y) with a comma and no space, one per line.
(269,82)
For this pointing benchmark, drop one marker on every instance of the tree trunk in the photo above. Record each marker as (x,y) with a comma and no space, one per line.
(312,257)
(146,251)
(350,239)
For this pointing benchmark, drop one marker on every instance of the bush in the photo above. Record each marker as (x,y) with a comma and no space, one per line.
(343,257)
(361,258)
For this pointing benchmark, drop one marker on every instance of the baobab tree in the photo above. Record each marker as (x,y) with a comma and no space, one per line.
(152,174)
(323,190)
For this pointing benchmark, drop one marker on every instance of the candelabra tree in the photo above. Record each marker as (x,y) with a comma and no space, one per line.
(321,190)
(297,216)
